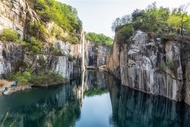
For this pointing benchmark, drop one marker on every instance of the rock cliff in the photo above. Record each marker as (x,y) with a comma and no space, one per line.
(16,14)
(96,55)
(13,57)
(151,65)
(58,55)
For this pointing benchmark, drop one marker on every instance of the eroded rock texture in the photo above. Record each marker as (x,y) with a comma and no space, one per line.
(149,65)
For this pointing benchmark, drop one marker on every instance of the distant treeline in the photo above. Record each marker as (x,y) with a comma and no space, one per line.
(99,39)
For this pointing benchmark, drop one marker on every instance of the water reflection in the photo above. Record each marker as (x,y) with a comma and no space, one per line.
(58,106)
(45,107)
(136,109)
(88,102)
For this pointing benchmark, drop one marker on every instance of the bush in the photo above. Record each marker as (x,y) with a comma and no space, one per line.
(35,45)
(125,33)
(38,30)
(22,78)
(9,35)
(47,77)
(73,40)
(57,52)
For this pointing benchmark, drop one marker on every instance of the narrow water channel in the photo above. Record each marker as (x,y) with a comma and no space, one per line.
(96,100)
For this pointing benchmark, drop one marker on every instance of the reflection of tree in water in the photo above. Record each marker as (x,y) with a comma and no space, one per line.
(52,107)
(58,107)
(95,83)
(136,109)
(95,91)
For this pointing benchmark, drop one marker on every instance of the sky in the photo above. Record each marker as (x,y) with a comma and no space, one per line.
(98,15)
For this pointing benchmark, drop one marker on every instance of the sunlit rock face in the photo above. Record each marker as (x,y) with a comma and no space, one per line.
(16,14)
(149,65)
(113,64)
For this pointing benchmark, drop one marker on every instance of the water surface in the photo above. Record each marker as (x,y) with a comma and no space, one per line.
(95,100)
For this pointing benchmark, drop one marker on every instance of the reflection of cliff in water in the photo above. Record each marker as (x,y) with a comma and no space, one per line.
(95,83)
(136,109)
(54,106)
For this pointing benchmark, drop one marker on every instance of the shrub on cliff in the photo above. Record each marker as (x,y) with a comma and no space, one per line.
(73,40)
(38,30)
(34,45)
(9,35)
(125,33)
(63,15)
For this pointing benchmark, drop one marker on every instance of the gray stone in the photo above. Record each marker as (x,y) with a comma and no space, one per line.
(148,67)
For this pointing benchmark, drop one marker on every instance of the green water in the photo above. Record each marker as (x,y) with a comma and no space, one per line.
(97,100)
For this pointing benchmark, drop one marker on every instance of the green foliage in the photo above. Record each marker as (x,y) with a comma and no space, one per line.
(125,33)
(47,77)
(63,15)
(169,37)
(42,78)
(38,30)
(95,91)
(121,21)
(154,19)
(99,39)
(22,78)
(73,40)
(9,35)
(57,52)
(35,45)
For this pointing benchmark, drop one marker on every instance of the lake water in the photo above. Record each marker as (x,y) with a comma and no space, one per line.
(95,100)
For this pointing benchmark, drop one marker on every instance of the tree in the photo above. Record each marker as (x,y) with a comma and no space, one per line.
(179,19)
(125,33)
(184,17)
(137,14)
(99,39)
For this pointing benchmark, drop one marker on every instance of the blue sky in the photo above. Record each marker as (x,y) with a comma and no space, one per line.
(98,15)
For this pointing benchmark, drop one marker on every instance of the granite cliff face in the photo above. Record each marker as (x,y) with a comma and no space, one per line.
(16,14)
(13,57)
(96,55)
(150,65)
